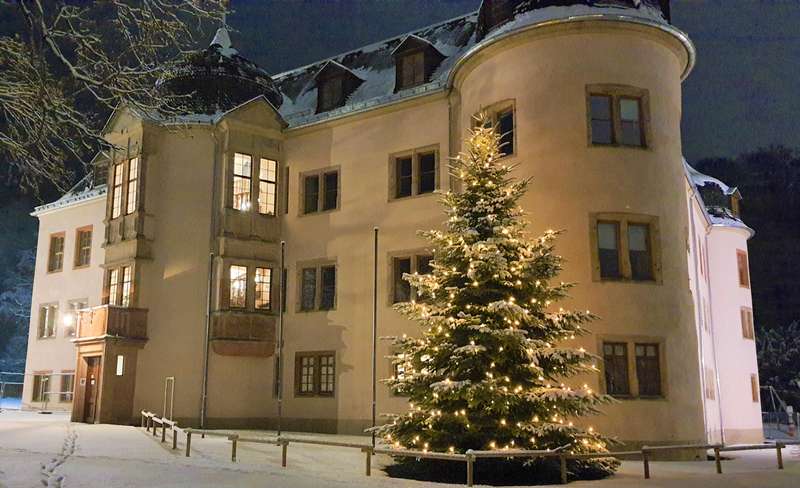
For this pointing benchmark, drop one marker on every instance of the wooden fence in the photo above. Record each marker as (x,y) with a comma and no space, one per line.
(151,421)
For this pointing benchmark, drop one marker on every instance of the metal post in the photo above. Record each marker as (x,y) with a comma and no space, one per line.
(717,460)
(374,330)
(234,439)
(470,468)
(163,430)
(174,438)
(646,461)
(284,447)
(368,452)
(206,358)
(563,464)
(778,448)
(279,362)
(188,442)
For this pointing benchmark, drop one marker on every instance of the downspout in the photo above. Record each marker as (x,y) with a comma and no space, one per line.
(210,284)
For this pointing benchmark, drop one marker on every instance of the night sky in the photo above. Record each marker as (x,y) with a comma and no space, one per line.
(742,95)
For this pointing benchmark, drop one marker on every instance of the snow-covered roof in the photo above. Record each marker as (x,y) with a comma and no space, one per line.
(716,213)
(455,39)
(83,191)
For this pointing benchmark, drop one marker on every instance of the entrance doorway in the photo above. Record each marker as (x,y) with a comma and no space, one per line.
(90,393)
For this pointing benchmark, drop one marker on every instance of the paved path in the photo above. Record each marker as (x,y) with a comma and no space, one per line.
(47,451)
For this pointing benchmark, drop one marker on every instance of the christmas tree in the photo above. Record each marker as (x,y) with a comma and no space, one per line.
(491,367)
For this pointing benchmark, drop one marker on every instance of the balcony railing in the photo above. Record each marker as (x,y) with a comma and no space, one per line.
(110,320)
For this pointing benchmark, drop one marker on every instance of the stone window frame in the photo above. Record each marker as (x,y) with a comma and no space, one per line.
(414,254)
(248,177)
(52,253)
(76,264)
(41,327)
(319,173)
(120,285)
(755,390)
(117,190)
(317,374)
(132,184)
(222,270)
(317,265)
(256,157)
(631,341)
(493,111)
(270,284)
(414,154)
(39,394)
(64,397)
(743,268)
(623,219)
(616,92)
(229,288)
(748,328)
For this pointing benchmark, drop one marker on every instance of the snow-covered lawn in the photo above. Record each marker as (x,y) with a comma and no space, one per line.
(48,450)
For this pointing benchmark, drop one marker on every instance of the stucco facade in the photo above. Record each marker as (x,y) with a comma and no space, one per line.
(188,232)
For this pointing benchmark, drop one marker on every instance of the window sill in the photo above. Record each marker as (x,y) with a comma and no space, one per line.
(319,212)
(315,310)
(615,145)
(414,196)
(54,271)
(640,397)
(83,266)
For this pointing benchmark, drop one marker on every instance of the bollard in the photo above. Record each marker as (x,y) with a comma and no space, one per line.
(142,419)
(284,447)
(153,421)
(234,439)
(188,441)
(646,461)
(778,448)
(717,460)
(563,462)
(174,438)
(163,430)
(470,468)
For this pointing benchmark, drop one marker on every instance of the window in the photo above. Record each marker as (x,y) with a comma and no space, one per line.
(267,186)
(113,287)
(116,190)
(320,191)
(120,365)
(238,286)
(331,93)
(608,250)
(133,185)
(127,282)
(744,272)
(83,247)
(41,387)
(242,169)
(748,331)
(414,172)
(315,373)
(402,291)
(500,116)
(615,357)
(55,261)
(286,190)
(412,69)
(72,316)
(317,287)
(639,252)
(47,321)
(263,288)
(67,386)
(617,115)
(754,388)
(624,247)
(648,370)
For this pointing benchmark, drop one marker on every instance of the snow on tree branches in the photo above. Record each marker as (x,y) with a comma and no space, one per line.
(492,366)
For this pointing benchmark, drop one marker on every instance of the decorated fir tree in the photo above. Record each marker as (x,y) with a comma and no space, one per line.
(491,368)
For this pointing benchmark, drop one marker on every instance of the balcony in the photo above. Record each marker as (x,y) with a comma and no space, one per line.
(243,333)
(110,320)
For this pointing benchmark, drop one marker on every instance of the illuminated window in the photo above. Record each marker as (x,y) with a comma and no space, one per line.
(242,171)
(47,321)
(83,247)
(267,186)
(41,387)
(127,285)
(113,286)
(72,316)
(120,364)
(238,279)
(55,260)
(116,190)
(263,288)
(133,185)
(315,373)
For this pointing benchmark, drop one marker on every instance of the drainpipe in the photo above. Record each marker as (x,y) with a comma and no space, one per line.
(210,284)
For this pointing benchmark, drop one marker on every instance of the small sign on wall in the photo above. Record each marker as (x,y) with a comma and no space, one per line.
(83,381)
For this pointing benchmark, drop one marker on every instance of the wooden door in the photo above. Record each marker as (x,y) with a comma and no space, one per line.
(90,392)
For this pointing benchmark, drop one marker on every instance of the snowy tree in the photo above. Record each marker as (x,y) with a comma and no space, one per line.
(779,361)
(69,63)
(492,366)
(15,307)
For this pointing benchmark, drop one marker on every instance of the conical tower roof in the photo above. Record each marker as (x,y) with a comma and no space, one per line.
(217,78)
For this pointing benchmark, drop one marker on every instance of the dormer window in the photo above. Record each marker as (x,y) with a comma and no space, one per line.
(416,60)
(335,83)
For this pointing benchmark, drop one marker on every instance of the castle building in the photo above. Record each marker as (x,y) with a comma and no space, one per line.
(168,263)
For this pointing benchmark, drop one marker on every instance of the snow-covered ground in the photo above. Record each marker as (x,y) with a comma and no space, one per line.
(48,450)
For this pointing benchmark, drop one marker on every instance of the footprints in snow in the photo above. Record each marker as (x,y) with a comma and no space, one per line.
(50,478)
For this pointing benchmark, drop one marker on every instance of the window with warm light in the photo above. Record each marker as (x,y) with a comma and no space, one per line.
(120,364)
(267,186)
(55,261)
(743,267)
(113,286)
(83,247)
(120,286)
(126,286)
(238,286)
(242,171)
(263,288)
(133,186)
(117,181)
(315,373)
(72,316)
(48,315)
